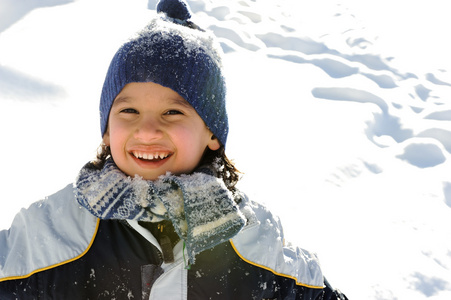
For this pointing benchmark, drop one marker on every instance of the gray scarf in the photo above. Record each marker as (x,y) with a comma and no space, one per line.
(201,208)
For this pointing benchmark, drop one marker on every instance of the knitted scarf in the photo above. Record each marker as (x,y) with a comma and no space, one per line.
(202,210)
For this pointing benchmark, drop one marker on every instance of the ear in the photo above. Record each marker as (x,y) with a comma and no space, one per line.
(214,143)
(106,137)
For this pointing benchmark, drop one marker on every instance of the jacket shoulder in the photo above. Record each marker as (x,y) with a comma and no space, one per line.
(261,243)
(49,233)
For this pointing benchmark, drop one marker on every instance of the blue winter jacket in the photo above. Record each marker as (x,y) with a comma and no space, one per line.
(56,249)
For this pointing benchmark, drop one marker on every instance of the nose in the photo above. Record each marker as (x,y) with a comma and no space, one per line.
(148,129)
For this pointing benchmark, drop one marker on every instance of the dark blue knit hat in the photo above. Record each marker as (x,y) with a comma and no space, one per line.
(175,53)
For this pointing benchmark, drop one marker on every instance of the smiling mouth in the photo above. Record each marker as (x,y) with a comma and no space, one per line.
(151,157)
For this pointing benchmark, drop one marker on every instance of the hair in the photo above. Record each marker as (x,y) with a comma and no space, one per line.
(223,167)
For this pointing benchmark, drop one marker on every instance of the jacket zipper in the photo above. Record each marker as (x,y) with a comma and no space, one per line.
(160,255)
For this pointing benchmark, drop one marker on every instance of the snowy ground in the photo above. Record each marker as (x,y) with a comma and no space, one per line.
(340,117)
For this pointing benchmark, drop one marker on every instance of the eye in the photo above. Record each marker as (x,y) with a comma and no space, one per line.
(173,112)
(129,111)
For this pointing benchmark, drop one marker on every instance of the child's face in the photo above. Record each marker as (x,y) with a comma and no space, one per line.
(153,130)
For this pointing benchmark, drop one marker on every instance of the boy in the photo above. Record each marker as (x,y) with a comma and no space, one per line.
(157,215)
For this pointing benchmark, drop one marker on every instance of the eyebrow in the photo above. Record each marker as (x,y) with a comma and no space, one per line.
(181,101)
(175,101)
(120,100)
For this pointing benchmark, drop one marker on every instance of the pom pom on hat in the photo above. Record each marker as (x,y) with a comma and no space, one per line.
(175,53)
(177,9)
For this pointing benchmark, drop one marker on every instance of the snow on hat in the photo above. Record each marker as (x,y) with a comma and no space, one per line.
(175,53)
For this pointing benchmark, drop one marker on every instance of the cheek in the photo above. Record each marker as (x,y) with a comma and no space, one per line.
(188,139)
(116,134)
(184,136)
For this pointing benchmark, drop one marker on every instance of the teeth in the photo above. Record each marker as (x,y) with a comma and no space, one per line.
(149,156)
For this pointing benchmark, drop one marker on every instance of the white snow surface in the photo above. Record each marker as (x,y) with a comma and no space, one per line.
(340,117)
